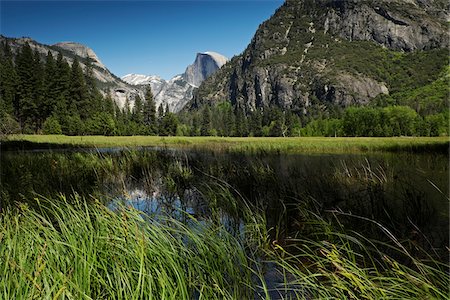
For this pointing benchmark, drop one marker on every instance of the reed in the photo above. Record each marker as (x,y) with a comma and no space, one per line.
(76,250)
(80,251)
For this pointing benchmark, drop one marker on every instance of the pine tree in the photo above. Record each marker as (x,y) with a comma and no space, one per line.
(161,129)
(241,126)
(95,98)
(50,86)
(89,76)
(78,96)
(150,111)
(195,125)
(277,125)
(8,80)
(169,124)
(62,86)
(228,122)
(109,106)
(138,111)
(38,91)
(256,123)
(25,106)
(205,129)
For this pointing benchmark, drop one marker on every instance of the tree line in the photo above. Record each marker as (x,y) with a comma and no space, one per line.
(47,95)
(394,120)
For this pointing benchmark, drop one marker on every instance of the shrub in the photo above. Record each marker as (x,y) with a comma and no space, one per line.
(51,126)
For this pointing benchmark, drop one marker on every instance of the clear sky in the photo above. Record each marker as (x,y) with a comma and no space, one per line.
(144,37)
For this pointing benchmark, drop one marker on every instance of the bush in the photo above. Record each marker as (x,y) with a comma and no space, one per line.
(51,126)
(8,125)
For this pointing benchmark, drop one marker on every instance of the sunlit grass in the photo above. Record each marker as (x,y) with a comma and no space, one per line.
(86,251)
(248,144)
(80,251)
(330,263)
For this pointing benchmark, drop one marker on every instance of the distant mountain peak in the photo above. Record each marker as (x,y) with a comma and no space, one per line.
(177,91)
(205,64)
(139,79)
(218,58)
(80,50)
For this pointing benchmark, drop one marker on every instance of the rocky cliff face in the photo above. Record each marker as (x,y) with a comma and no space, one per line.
(205,65)
(178,91)
(400,25)
(316,54)
(107,82)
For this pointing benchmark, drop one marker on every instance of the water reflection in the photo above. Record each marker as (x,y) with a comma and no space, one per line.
(406,193)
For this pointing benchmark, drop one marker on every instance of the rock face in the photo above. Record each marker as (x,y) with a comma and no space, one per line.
(318,54)
(81,51)
(175,92)
(399,25)
(108,83)
(179,90)
(205,65)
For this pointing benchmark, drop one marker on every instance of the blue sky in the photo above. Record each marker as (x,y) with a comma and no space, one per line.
(144,37)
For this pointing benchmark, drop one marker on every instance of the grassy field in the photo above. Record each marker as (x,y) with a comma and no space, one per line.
(245,145)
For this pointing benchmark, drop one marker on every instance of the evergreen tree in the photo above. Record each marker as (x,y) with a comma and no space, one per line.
(109,106)
(51,126)
(205,129)
(25,106)
(89,76)
(195,128)
(38,91)
(96,101)
(150,111)
(241,126)
(78,96)
(166,110)
(169,124)
(160,112)
(138,111)
(62,86)
(256,123)
(228,122)
(277,126)
(50,86)
(8,80)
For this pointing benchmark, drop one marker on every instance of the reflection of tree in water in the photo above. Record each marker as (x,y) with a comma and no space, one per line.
(397,190)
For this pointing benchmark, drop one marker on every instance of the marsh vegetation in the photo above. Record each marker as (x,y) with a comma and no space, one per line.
(189,224)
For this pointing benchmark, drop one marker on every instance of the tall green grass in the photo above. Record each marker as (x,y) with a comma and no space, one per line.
(80,251)
(329,262)
(76,250)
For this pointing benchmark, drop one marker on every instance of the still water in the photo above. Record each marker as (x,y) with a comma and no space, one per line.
(406,193)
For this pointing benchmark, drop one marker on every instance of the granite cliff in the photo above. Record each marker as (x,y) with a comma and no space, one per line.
(318,54)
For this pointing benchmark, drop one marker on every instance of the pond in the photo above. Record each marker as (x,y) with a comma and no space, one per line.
(405,193)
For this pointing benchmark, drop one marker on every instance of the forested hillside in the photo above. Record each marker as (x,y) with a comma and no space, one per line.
(47,95)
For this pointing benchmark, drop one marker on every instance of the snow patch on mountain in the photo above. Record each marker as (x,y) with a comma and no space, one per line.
(179,90)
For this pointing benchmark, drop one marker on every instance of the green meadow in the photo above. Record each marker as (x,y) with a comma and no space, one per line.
(244,144)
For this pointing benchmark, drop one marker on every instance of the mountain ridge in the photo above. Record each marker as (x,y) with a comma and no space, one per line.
(108,83)
(317,54)
(178,91)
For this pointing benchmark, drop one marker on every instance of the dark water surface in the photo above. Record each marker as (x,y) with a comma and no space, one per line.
(406,193)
